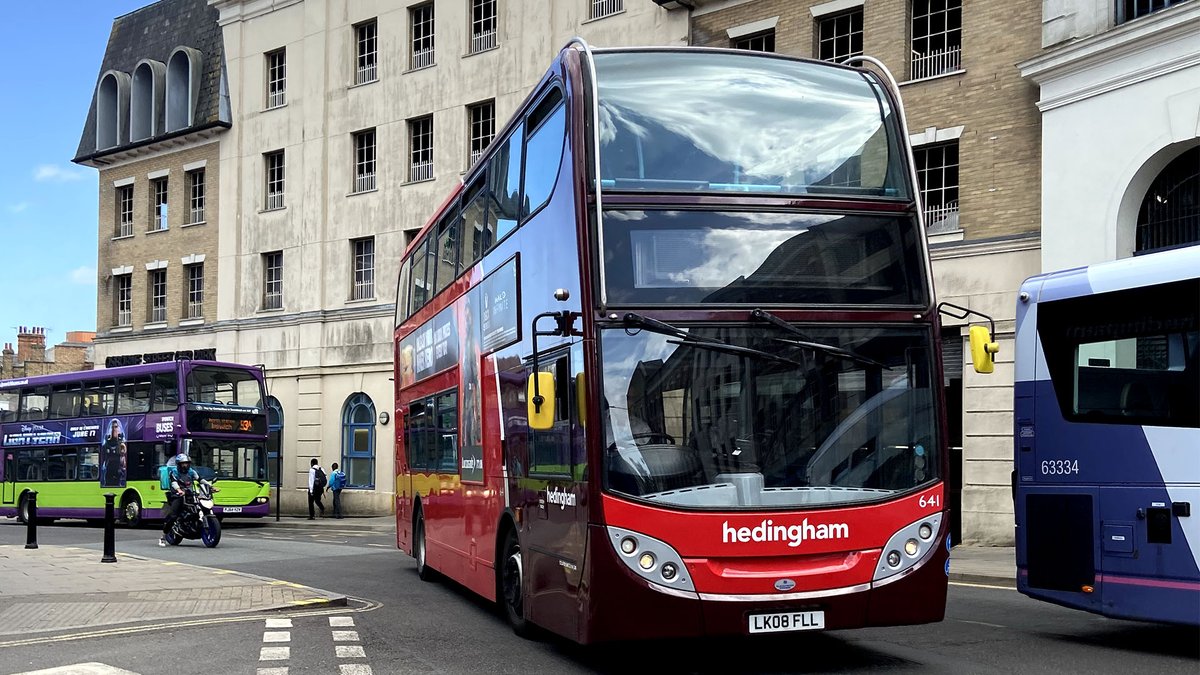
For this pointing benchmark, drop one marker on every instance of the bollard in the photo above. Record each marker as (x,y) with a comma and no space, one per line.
(110,523)
(31,521)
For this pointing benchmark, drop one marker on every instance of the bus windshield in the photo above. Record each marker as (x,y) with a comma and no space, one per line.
(656,257)
(228,386)
(721,122)
(228,459)
(757,417)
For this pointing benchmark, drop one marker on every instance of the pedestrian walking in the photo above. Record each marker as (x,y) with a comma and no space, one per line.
(316,487)
(337,481)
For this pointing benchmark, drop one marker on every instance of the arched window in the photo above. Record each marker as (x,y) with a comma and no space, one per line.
(112,102)
(274,438)
(145,100)
(1170,213)
(183,86)
(358,441)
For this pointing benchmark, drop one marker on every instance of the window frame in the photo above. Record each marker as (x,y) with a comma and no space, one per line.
(420,170)
(600,9)
(483,38)
(366,52)
(353,402)
(481,130)
(160,207)
(929,62)
(123,300)
(275,78)
(831,20)
(156,295)
(275,180)
(124,211)
(362,268)
(272,263)
(197,193)
(750,42)
(422,32)
(366,160)
(193,292)
(945,207)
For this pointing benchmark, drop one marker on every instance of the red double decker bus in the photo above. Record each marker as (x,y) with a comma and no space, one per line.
(667,361)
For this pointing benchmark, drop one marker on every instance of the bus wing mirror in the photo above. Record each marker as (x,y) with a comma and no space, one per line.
(540,401)
(983,349)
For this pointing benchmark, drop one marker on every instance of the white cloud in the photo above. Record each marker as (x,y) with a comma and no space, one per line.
(83,275)
(53,173)
(18,207)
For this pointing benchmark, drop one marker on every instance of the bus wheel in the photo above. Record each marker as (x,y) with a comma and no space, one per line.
(512,586)
(131,511)
(23,510)
(420,552)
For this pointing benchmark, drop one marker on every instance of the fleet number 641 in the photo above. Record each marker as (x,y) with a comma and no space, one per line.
(930,500)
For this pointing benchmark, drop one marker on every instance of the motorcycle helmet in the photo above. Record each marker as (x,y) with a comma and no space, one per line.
(183,462)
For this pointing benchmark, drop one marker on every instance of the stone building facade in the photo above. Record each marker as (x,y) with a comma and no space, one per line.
(352,121)
(32,358)
(975,130)
(1119,91)
(153,131)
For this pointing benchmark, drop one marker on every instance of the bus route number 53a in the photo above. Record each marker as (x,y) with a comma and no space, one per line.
(1060,467)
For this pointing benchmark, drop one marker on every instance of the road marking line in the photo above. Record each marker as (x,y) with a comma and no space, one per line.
(970,585)
(350,652)
(981,623)
(277,636)
(345,636)
(341,621)
(380,545)
(274,653)
(354,669)
(279,623)
(329,541)
(273,671)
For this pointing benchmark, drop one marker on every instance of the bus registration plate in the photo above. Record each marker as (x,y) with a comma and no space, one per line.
(781,622)
(231,509)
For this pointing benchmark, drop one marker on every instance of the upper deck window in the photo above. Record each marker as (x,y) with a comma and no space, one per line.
(228,386)
(724,122)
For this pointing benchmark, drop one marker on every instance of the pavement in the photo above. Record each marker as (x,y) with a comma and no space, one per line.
(55,588)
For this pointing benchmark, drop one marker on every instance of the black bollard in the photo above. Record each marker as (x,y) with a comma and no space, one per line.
(110,523)
(31,521)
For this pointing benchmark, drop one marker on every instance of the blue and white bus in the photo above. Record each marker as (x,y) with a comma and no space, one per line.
(1107,437)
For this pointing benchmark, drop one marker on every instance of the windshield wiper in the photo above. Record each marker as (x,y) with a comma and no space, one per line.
(735,349)
(689,340)
(806,343)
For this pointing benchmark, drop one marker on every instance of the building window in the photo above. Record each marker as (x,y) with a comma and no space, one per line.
(363,250)
(483,128)
(358,441)
(194,300)
(158,296)
(273,161)
(603,8)
(274,438)
(937,170)
(840,36)
(196,196)
(936,37)
(364,161)
(420,143)
(125,211)
(483,25)
(273,280)
(276,78)
(123,299)
(1128,10)
(421,23)
(1170,213)
(367,51)
(158,204)
(758,42)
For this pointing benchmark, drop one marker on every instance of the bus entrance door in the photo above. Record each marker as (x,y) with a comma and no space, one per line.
(8,478)
(556,528)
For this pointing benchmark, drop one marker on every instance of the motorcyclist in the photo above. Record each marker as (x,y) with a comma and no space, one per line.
(181,477)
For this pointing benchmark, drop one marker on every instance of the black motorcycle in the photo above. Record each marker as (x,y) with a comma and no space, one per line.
(196,519)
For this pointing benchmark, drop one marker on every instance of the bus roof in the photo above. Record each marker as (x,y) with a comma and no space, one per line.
(1143,270)
(114,373)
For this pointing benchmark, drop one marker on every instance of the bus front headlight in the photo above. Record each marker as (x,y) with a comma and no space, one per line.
(908,548)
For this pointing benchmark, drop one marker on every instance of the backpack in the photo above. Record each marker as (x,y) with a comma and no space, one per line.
(338,480)
(319,481)
(164,478)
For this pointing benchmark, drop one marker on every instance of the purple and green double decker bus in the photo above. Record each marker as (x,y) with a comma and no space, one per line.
(74,437)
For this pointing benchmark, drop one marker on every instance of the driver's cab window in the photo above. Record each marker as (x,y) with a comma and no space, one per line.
(550,450)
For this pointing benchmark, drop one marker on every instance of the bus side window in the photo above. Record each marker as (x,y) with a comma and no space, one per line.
(420,288)
(89,464)
(166,392)
(97,399)
(402,291)
(504,183)
(31,465)
(447,432)
(543,151)
(64,401)
(414,435)
(446,253)
(9,401)
(479,230)
(133,395)
(35,403)
(550,450)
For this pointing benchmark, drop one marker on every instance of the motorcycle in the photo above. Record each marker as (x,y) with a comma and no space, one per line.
(196,519)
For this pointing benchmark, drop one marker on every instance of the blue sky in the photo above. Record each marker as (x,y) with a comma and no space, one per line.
(48,221)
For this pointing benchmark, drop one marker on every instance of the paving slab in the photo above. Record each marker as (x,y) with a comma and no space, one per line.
(56,588)
(994,565)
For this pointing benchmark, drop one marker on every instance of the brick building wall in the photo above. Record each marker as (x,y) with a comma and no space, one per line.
(179,240)
(30,359)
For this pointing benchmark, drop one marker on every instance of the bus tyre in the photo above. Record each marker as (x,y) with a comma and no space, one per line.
(420,551)
(23,510)
(131,511)
(512,585)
